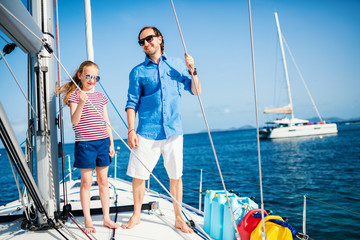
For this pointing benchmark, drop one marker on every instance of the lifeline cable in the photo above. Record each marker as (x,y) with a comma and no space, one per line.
(207,128)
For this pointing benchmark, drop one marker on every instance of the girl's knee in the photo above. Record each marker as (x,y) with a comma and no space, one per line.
(102,181)
(86,184)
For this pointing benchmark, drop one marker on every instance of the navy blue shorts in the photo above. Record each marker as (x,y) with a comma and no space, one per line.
(91,154)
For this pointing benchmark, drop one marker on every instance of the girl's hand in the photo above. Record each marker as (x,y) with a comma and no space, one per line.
(133,139)
(111,151)
(83,97)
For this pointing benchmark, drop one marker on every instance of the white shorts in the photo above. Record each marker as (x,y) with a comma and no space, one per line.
(149,152)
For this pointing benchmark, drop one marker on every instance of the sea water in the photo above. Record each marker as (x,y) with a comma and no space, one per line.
(325,169)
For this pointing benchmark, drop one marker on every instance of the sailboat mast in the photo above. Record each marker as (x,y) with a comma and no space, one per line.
(285,65)
(88,25)
(42,85)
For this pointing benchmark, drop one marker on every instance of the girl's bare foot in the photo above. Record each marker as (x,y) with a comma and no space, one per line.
(110,224)
(90,228)
(133,221)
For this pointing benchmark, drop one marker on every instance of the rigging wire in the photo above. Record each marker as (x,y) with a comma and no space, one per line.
(12,73)
(257,121)
(207,126)
(4,39)
(113,104)
(302,79)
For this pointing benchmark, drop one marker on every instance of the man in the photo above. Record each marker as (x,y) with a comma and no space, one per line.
(154,93)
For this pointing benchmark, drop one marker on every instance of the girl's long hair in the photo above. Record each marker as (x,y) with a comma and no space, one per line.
(67,88)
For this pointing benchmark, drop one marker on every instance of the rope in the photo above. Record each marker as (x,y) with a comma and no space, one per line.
(257,121)
(11,224)
(43,111)
(67,229)
(207,126)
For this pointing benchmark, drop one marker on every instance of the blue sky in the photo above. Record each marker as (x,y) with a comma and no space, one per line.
(323,36)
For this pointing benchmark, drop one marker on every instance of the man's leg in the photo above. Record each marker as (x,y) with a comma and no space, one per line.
(86,181)
(138,186)
(102,180)
(176,190)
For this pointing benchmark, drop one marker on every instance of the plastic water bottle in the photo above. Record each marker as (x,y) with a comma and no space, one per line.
(210,194)
(228,227)
(217,216)
(207,210)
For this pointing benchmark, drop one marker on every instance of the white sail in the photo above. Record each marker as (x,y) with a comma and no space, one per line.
(285,109)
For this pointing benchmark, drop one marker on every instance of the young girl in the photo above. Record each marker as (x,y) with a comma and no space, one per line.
(94,145)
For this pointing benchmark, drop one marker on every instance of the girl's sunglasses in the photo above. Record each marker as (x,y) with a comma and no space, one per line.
(149,39)
(88,77)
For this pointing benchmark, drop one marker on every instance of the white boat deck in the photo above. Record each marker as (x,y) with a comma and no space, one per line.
(155,224)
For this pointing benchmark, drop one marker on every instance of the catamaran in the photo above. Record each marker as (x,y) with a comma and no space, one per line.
(293,127)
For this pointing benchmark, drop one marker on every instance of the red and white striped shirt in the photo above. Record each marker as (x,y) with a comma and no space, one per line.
(91,125)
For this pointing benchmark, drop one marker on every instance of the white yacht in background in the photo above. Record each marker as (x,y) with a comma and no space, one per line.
(293,127)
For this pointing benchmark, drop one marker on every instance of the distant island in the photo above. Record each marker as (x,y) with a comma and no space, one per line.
(245,127)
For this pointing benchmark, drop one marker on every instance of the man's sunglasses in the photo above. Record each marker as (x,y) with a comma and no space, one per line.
(89,77)
(149,39)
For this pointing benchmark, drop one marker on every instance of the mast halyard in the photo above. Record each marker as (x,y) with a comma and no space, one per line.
(285,65)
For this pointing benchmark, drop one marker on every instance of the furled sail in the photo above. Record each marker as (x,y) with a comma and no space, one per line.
(285,109)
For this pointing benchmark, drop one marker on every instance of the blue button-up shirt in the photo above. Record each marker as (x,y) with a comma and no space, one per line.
(154,92)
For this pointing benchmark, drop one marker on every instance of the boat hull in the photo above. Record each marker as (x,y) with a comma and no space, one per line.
(299,131)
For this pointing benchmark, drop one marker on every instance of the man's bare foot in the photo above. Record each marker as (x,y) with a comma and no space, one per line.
(181,224)
(134,220)
(110,224)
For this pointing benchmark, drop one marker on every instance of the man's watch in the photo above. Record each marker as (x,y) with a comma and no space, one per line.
(194,72)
